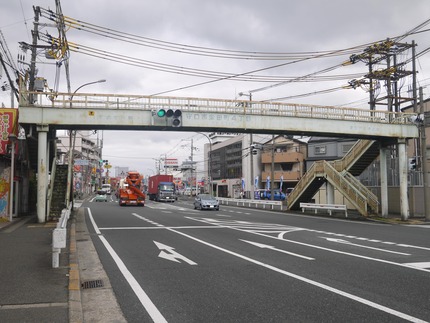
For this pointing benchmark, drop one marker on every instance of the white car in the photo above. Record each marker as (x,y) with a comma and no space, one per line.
(206,202)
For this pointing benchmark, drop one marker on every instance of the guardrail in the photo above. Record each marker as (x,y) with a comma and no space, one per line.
(259,204)
(327,207)
(59,236)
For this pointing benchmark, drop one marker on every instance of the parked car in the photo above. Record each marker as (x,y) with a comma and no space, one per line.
(101,196)
(266,195)
(206,202)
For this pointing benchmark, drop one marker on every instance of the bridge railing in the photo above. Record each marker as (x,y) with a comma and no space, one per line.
(138,102)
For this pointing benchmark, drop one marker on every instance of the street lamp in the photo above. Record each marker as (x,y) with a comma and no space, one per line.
(72,138)
(209,162)
(80,87)
(13,140)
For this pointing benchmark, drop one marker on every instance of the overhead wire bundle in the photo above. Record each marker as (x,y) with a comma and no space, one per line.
(211,75)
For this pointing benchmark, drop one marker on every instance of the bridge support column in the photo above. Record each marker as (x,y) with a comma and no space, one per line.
(384,181)
(42,175)
(403,176)
(329,193)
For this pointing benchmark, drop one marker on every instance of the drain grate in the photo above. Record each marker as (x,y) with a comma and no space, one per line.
(92,284)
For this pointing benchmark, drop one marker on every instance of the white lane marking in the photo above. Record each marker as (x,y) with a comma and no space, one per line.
(158,227)
(410,246)
(310,245)
(96,228)
(265,246)
(309,281)
(169,253)
(361,246)
(418,264)
(137,289)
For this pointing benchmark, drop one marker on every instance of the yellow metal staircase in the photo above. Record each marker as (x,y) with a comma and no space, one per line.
(340,174)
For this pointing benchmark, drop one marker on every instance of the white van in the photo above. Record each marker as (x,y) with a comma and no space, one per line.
(106,188)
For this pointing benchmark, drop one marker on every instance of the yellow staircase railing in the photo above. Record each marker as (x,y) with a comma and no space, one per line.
(336,173)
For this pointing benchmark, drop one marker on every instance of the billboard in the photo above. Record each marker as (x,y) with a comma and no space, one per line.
(171,163)
(8,125)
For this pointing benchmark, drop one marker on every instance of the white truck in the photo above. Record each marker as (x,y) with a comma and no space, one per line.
(106,188)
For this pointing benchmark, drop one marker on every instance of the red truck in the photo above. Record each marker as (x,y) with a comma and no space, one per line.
(130,191)
(162,188)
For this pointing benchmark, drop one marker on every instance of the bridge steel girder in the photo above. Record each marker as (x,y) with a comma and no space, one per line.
(132,119)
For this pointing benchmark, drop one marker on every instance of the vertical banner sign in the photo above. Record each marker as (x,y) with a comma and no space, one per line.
(8,125)
(281,182)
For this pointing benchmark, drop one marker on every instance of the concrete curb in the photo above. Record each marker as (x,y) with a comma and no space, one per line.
(98,302)
(75,300)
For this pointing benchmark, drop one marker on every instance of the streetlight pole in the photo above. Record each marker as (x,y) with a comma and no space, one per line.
(209,163)
(72,138)
(80,87)
(250,153)
(13,140)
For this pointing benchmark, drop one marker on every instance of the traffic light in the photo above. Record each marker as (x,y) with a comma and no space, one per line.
(412,163)
(254,150)
(161,113)
(177,118)
(172,117)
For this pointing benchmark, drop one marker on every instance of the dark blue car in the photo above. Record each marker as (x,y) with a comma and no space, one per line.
(266,195)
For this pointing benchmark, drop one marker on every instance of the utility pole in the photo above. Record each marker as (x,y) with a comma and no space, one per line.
(192,168)
(424,158)
(35,33)
(272,191)
(252,181)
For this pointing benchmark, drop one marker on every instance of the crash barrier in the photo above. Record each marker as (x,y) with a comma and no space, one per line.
(258,204)
(59,236)
(327,207)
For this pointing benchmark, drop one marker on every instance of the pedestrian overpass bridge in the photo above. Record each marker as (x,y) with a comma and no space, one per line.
(85,111)
(134,112)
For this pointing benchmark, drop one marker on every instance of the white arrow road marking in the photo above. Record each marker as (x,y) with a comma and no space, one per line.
(260,245)
(306,280)
(361,246)
(424,265)
(169,254)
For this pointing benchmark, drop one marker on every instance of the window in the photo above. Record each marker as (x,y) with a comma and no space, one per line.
(346,148)
(320,150)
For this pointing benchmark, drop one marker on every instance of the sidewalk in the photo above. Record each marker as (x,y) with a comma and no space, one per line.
(33,291)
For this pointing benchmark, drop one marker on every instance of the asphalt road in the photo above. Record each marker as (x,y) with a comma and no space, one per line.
(169,262)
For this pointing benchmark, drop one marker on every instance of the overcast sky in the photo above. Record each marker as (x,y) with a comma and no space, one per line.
(230,26)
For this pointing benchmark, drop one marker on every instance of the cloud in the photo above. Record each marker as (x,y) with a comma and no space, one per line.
(274,26)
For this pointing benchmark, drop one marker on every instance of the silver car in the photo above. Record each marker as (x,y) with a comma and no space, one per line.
(206,202)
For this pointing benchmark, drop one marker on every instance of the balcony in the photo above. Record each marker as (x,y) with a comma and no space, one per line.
(283,157)
(292,176)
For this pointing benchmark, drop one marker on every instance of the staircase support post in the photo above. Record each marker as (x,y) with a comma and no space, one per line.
(329,193)
(384,181)
(403,175)
(42,178)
